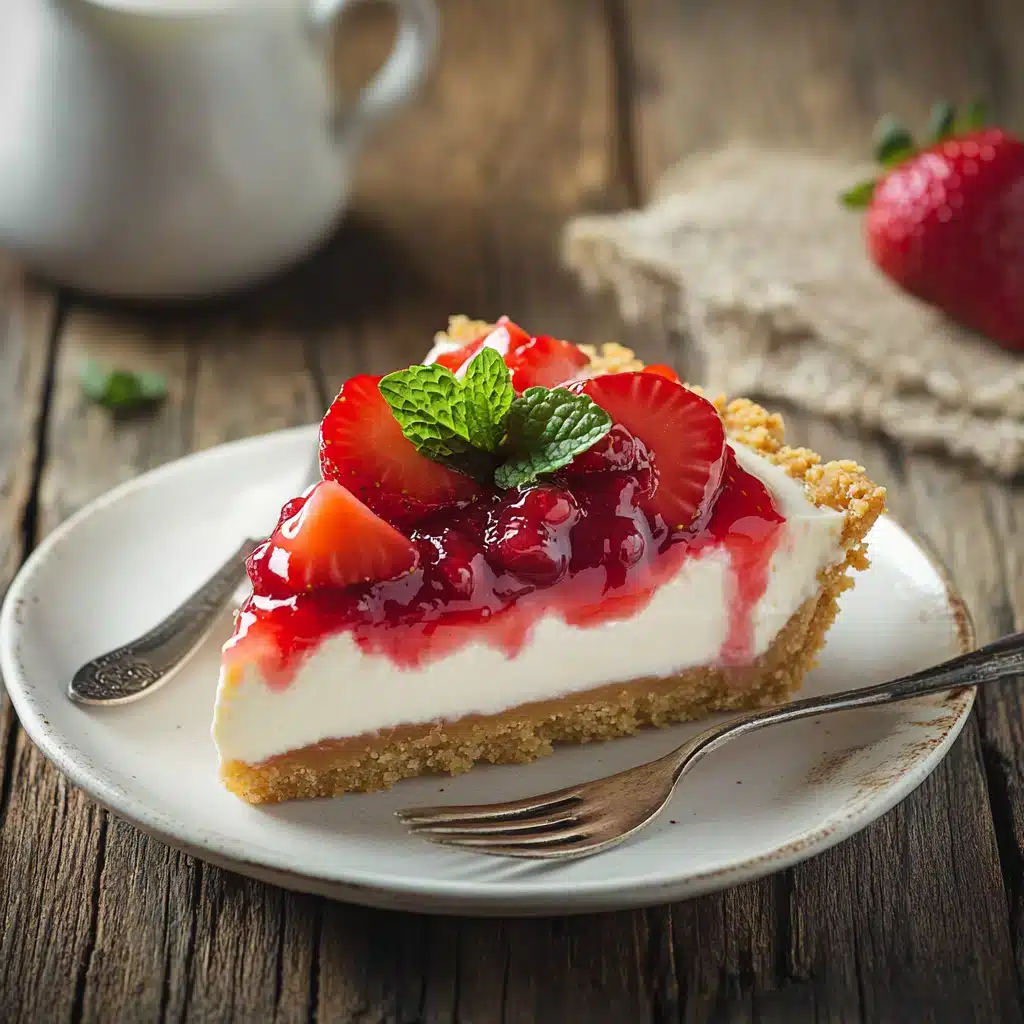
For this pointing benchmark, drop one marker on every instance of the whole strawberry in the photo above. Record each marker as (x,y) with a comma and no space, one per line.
(946,223)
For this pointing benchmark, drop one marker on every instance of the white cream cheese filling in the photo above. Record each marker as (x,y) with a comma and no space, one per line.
(340,691)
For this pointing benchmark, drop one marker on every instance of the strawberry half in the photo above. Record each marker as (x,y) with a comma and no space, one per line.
(534,362)
(682,433)
(334,540)
(663,370)
(544,362)
(505,337)
(363,448)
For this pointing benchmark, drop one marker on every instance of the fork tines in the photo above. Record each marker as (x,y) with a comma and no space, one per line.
(544,826)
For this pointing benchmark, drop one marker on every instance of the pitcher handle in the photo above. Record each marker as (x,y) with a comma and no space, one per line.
(406,65)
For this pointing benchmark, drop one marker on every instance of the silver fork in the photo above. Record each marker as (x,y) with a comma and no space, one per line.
(582,820)
(137,668)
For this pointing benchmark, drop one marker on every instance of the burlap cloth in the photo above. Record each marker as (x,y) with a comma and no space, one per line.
(750,254)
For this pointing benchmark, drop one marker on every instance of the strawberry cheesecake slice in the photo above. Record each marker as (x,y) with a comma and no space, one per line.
(524,541)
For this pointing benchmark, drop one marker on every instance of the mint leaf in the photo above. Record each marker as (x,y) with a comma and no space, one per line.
(488,395)
(121,391)
(546,429)
(431,407)
(428,403)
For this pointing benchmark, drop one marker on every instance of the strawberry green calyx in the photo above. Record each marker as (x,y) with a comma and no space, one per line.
(860,195)
(894,144)
(893,141)
(942,121)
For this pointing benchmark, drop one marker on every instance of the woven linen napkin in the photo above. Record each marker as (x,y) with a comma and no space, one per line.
(750,254)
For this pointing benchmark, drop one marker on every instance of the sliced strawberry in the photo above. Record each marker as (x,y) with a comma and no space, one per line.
(505,337)
(544,362)
(454,359)
(334,540)
(363,447)
(663,370)
(535,362)
(618,451)
(682,432)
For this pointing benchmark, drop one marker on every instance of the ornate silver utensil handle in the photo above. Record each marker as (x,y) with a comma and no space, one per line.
(137,668)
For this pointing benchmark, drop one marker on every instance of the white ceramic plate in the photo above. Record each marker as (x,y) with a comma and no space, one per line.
(764,802)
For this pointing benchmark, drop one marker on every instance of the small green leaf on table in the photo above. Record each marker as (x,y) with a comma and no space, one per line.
(122,391)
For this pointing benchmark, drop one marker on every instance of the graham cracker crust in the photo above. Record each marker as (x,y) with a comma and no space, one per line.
(524,733)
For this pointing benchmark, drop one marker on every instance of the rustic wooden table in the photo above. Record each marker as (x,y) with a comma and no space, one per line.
(538,110)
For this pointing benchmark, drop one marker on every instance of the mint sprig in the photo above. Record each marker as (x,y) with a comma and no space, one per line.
(478,427)
(547,428)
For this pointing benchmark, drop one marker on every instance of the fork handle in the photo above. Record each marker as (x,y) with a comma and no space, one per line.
(136,668)
(997,660)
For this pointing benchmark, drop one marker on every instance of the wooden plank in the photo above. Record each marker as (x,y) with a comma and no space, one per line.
(968,518)
(874,929)
(28,318)
(245,371)
(999,38)
(139,930)
(54,842)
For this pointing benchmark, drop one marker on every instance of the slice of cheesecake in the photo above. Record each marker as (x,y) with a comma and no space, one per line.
(475,582)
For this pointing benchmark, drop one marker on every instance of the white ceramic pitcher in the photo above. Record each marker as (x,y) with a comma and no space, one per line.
(175,148)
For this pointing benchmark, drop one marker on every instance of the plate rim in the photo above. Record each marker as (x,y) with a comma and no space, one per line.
(431,894)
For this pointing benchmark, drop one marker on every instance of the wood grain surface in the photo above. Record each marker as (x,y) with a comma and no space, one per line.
(537,110)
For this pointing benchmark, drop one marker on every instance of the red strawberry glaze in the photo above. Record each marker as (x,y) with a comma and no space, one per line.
(581,549)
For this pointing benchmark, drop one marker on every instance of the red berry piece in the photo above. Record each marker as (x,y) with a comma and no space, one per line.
(544,362)
(363,448)
(663,370)
(333,540)
(505,337)
(618,451)
(449,559)
(683,435)
(745,505)
(530,536)
(627,542)
(534,362)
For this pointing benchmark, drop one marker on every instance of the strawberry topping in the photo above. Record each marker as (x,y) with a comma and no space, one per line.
(540,361)
(505,337)
(413,560)
(544,362)
(362,447)
(683,435)
(663,370)
(331,539)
